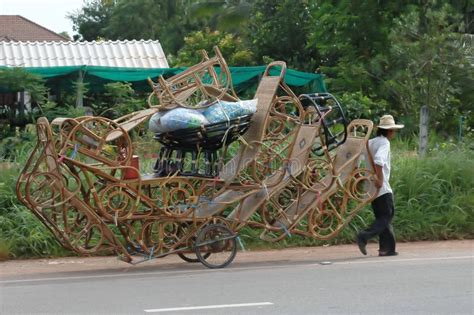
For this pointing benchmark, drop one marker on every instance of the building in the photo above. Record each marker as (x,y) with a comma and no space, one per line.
(142,54)
(38,50)
(19,28)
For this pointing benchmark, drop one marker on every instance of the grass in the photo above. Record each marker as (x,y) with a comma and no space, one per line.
(21,233)
(434,200)
(4,250)
(435,195)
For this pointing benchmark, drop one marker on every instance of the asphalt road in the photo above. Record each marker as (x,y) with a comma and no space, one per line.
(426,278)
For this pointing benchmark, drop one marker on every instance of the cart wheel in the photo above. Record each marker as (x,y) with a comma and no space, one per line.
(218,240)
(190,258)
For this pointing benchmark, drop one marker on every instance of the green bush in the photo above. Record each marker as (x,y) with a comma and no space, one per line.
(19,80)
(357,105)
(118,99)
(231,46)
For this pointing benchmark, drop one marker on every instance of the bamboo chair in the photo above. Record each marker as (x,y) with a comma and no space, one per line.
(344,170)
(45,188)
(194,85)
(266,96)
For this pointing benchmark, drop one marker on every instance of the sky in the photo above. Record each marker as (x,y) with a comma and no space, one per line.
(48,13)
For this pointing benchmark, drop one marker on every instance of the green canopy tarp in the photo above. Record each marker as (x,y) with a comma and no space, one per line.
(240,75)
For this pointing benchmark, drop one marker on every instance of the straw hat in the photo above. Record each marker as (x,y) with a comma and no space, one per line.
(387,122)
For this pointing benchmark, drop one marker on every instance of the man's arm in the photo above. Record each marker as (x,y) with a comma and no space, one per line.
(380,159)
(379,173)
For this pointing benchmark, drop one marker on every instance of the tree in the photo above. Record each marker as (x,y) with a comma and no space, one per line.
(230,16)
(352,39)
(428,65)
(165,20)
(117,99)
(91,20)
(231,46)
(404,54)
(65,34)
(370,51)
(19,80)
(279,30)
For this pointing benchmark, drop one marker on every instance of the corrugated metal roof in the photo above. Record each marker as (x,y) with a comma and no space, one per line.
(129,54)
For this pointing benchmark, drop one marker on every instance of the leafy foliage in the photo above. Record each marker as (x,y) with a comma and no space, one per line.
(118,99)
(228,15)
(279,30)
(351,47)
(18,144)
(427,62)
(91,19)
(230,45)
(134,19)
(19,80)
(394,56)
(52,110)
(358,105)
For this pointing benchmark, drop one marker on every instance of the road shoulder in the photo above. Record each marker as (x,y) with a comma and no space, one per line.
(36,268)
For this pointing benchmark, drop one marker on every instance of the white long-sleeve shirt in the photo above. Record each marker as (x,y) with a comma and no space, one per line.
(380,150)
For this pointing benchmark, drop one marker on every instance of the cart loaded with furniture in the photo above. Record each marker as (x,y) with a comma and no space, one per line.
(278,163)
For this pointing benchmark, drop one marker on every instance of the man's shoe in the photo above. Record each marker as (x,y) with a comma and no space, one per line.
(362,244)
(388,253)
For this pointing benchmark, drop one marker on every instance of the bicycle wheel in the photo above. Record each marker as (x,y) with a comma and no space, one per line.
(219,241)
(190,258)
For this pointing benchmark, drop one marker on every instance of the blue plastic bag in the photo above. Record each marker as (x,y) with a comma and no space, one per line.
(225,111)
(176,119)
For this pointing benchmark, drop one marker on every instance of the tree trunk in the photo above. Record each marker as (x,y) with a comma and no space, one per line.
(424,117)
(80,90)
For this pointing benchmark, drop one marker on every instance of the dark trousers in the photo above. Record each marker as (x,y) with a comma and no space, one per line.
(382,226)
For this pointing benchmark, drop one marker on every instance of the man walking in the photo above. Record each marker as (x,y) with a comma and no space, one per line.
(384,210)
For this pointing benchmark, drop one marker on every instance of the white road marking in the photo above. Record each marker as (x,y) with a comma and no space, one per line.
(207,307)
(201,271)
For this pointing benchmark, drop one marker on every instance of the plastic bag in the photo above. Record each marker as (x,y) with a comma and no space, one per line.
(224,111)
(176,119)
(154,125)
